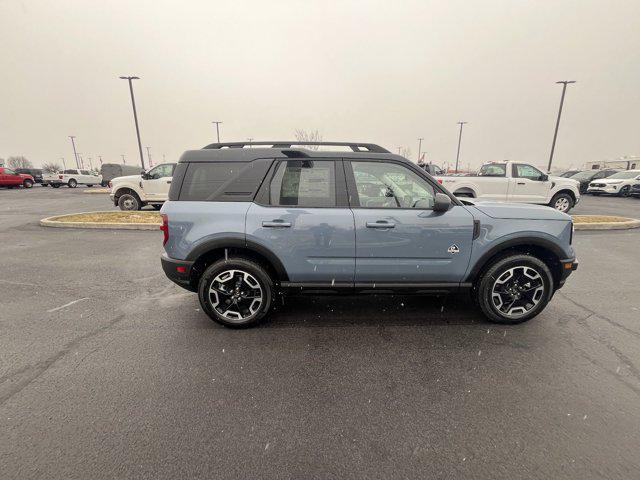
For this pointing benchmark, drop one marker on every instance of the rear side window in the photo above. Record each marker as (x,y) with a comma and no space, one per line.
(203,180)
(304,183)
(493,170)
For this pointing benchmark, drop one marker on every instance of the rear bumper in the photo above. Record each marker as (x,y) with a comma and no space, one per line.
(178,271)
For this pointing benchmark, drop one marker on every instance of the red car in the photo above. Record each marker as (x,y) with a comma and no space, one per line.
(10,179)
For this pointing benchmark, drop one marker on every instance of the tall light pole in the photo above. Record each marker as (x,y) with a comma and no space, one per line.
(555,133)
(217,130)
(419,148)
(459,141)
(135,115)
(90,163)
(149,156)
(64,165)
(75,155)
(80,160)
(123,160)
(100,157)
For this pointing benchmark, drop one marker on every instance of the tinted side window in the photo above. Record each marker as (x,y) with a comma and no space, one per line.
(161,171)
(203,180)
(304,183)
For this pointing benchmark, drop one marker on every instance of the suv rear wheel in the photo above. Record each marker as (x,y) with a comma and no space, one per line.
(27,183)
(515,289)
(72,183)
(236,292)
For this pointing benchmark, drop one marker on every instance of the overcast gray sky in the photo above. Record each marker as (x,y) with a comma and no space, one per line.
(381,71)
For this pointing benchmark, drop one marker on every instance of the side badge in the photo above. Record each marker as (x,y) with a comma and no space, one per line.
(453,249)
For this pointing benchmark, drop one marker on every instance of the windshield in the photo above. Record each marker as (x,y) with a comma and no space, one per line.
(627,174)
(584,175)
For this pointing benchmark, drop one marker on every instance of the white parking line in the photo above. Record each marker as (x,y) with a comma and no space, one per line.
(67,304)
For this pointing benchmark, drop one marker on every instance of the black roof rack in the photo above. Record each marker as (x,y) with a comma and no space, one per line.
(355,146)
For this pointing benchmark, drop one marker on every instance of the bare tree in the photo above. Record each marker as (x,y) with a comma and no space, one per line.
(405,152)
(51,167)
(19,162)
(308,136)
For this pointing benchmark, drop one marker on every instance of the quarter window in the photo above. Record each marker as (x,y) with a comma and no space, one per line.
(389,185)
(304,183)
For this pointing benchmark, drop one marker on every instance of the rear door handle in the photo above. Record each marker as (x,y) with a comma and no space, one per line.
(276,224)
(380,224)
(521,183)
(168,181)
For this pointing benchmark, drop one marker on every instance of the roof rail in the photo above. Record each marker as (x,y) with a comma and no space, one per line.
(355,146)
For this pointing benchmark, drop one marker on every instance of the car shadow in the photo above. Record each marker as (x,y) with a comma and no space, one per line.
(372,310)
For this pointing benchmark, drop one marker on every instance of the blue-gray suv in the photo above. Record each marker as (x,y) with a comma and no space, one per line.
(248,222)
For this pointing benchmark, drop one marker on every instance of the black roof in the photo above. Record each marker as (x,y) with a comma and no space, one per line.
(248,151)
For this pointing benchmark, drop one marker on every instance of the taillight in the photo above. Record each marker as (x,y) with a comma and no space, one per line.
(165,228)
(60,177)
(440,181)
(110,186)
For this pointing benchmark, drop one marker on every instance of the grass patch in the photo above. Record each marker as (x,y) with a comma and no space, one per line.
(112,217)
(598,219)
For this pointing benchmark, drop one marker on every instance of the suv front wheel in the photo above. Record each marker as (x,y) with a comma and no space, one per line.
(515,289)
(236,292)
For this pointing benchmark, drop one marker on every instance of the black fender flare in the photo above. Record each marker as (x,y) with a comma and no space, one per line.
(510,243)
(239,241)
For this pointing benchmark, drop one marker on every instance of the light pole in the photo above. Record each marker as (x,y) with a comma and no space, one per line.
(64,165)
(250,140)
(555,133)
(80,160)
(419,148)
(135,115)
(149,156)
(75,155)
(123,160)
(100,157)
(217,130)
(459,141)
(90,163)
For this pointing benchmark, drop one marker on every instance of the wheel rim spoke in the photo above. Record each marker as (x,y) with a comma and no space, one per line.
(235,294)
(516,291)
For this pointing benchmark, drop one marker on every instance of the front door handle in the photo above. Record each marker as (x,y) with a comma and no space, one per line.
(168,181)
(380,224)
(521,183)
(276,224)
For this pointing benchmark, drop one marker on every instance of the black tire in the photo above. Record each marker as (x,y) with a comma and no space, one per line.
(156,206)
(72,183)
(562,202)
(493,281)
(242,308)
(129,202)
(55,185)
(624,191)
(89,185)
(103,184)
(27,183)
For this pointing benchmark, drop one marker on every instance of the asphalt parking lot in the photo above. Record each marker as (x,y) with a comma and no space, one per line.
(108,370)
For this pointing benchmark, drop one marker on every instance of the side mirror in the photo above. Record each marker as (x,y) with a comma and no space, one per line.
(144,175)
(441,203)
(544,177)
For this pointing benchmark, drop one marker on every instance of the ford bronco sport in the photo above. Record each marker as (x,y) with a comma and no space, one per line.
(243,225)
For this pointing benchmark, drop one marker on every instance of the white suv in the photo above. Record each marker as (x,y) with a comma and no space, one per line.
(133,192)
(617,184)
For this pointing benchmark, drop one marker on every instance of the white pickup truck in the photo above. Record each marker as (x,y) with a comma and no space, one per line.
(71,178)
(515,182)
(132,192)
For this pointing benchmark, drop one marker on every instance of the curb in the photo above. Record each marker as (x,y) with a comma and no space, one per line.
(50,222)
(95,191)
(631,223)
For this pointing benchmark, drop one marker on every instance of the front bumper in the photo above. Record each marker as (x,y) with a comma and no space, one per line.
(569,265)
(612,189)
(178,271)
